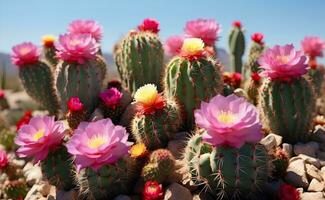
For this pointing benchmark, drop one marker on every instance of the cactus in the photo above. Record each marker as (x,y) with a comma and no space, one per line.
(192,81)
(161,166)
(49,50)
(7,138)
(16,189)
(237,47)
(76,113)
(317,79)
(288,108)
(280,163)
(155,130)
(80,80)
(38,82)
(139,60)
(228,172)
(57,169)
(108,181)
(252,88)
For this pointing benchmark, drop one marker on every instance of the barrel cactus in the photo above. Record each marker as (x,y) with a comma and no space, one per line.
(237,46)
(286,100)
(139,56)
(191,77)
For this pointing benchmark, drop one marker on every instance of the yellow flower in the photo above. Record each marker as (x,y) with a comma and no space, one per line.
(192,46)
(48,40)
(146,94)
(138,150)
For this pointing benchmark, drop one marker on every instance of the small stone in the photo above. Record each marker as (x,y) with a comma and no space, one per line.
(239,92)
(312,196)
(122,197)
(176,192)
(296,173)
(287,148)
(18,163)
(316,186)
(313,172)
(269,142)
(308,149)
(310,160)
(278,139)
(32,173)
(44,188)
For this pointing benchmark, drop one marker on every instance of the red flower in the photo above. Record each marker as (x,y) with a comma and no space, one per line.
(2,94)
(288,192)
(236,79)
(258,37)
(74,104)
(145,109)
(24,120)
(148,24)
(153,191)
(256,77)
(237,24)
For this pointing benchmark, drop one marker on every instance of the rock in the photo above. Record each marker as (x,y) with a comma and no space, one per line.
(32,173)
(66,195)
(321,155)
(269,142)
(308,149)
(313,172)
(310,160)
(44,188)
(312,196)
(176,147)
(176,192)
(296,173)
(316,186)
(278,139)
(239,92)
(33,193)
(319,132)
(122,197)
(287,148)
(18,163)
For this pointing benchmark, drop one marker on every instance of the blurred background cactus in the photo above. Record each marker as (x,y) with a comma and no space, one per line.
(236,46)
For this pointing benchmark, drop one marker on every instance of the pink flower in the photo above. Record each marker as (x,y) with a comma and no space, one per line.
(229,121)
(207,30)
(237,24)
(86,27)
(38,137)
(98,143)
(313,46)
(174,44)
(24,54)
(76,47)
(74,104)
(111,97)
(3,159)
(258,37)
(148,24)
(2,94)
(283,62)
(153,191)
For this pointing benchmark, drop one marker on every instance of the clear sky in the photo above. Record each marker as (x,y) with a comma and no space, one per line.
(282,21)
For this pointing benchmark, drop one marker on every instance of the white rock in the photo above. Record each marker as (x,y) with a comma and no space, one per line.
(310,160)
(278,139)
(287,148)
(312,196)
(308,149)
(176,192)
(316,186)
(33,193)
(32,173)
(44,188)
(269,142)
(313,172)
(18,163)
(296,173)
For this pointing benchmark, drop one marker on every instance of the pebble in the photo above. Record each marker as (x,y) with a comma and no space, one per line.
(313,172)
(176,192)
(308,149)
(310,160)
(288,149)
(312,196)
(296,173)
(269,142)
(32,173)
(316,186)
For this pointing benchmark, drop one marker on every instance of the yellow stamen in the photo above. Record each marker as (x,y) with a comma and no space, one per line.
(192,46)
(226,117)
(282,59)
(38,135)
(96,142)
(146,94)
(138,150)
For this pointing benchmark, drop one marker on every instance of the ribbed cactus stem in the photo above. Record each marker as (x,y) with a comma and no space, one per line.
(237,48)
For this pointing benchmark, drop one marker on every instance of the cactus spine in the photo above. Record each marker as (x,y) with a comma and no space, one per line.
(192,81)
(228,172)
(81,80)
(38,82)
(139,59)
(237,47)
(288,108)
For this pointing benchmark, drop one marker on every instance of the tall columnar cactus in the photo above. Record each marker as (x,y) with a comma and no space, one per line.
(49,50)
(287,99)
(36,76)
(81,72)
(191,78)
(236,46)
(157,118)
(139,57)
(229,162)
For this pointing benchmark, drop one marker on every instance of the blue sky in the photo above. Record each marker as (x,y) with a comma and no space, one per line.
(282,21)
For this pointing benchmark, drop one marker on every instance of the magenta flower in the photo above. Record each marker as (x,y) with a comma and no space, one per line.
(74,104)
(283,62)
(25,53)
(148,24)
(111,97)
(38,137)
(76,47)
(173,44)
(207,30)
(3,159)
(313,46)
(229,121)
(86,27)
(98,143)
(2,94)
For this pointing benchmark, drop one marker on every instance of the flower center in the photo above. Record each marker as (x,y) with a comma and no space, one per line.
(38,135)
(152,189)
(146,94)
(74,42)
(96,142)
(226,117)
(282,59)
(24,51)
(192,46)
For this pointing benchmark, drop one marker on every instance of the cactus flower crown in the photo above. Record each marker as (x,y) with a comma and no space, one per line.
(74,104)
(258,38)
(48,40)
(313,46)
(153,191)
(192,48)
(237,24)
(148,99)
(150,25)
(111,97)
(24,54)
(86,27)
(3,159)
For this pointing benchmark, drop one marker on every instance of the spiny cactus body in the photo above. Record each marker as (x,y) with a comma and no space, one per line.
(317,79)
(237,48)
(228,172)
(16,189)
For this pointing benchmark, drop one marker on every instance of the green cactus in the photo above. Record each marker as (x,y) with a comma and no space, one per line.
(7,138)
(255,51)
(155,130)
(192,81)
(140,59)
(57,169)
(237,48)
(81,80)
(287,108)
(16,189)
(228,172)
(317,79)
(38,82)
(108,181)
(161,166)
(280,163)
(252,89)
(49,53)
